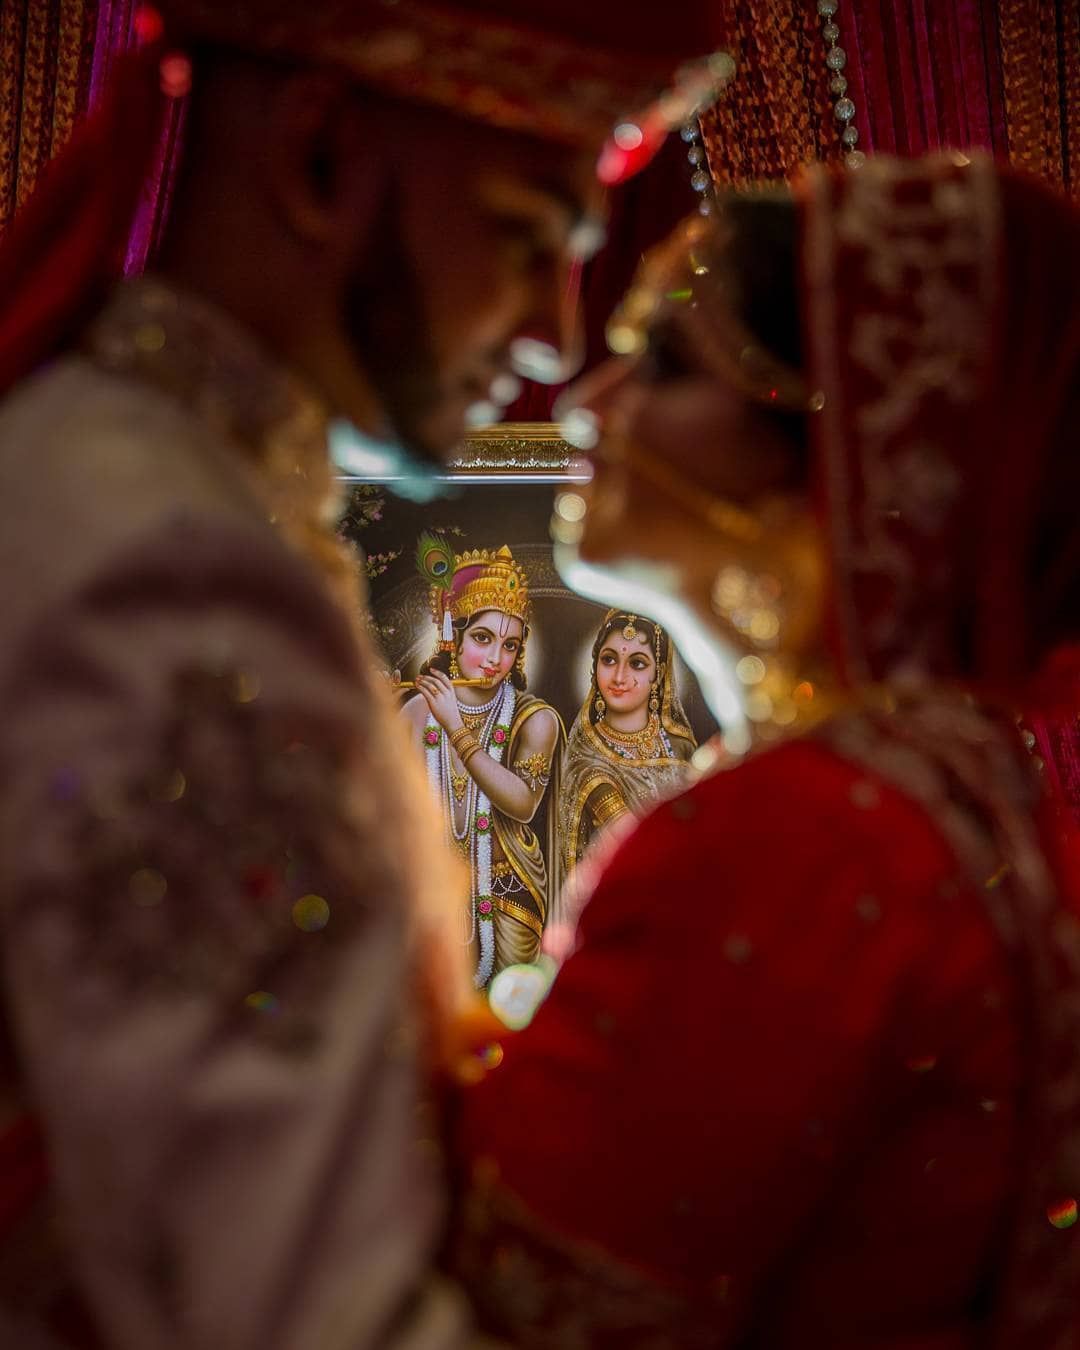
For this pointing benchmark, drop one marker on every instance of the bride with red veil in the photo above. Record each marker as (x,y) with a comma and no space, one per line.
(812,1076)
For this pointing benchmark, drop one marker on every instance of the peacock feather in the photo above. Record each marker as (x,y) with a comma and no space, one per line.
(435,560)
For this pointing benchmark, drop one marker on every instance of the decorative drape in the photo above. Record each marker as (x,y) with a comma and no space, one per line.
(1040,53)
(55,57)
(776,115)
(47,50)
(923,76)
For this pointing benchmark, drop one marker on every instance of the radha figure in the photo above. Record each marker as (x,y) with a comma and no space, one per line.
(630,744)
(491,749)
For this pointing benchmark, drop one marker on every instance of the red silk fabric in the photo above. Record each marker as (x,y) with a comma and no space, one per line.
(943,330)
(760,1084)
(949,354)
(814,1073)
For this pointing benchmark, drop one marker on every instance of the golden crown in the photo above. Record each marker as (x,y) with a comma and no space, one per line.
(483,579)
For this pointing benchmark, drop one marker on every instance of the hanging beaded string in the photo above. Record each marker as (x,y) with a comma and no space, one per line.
(843,106)
(701,179)
(476,709)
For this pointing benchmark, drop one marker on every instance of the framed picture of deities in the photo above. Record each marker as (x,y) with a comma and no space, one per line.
(500,491)
(594,714)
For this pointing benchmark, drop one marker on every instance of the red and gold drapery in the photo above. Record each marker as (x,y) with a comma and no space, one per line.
(55,57)
(47,51)
(1040,57)
(776,116)
(1003,76)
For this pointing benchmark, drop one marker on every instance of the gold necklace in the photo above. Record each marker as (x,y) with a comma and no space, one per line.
(642,742)
(474,717)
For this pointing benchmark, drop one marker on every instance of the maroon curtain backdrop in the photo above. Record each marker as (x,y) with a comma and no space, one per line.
(1002,75)
(924,75)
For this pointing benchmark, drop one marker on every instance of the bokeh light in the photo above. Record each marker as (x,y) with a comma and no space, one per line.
(311,913)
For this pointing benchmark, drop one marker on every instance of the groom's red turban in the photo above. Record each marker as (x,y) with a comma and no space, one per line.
(574,71)
(566,70)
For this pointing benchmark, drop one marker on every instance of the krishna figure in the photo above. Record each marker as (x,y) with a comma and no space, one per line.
(491,749)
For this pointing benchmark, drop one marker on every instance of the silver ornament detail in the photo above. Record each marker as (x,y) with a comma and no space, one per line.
(691,132)
(696,155)
(835,61)
(700,181)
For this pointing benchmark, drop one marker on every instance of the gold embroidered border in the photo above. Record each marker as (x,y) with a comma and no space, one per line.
(513,909)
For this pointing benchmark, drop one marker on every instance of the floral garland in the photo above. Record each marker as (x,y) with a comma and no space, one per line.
(476,838)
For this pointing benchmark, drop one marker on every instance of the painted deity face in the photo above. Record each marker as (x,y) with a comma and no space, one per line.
(490,646)
(625,671)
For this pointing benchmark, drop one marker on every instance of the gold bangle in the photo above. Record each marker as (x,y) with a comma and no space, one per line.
(466,738)
(471,749)
(608,807)
(457,734)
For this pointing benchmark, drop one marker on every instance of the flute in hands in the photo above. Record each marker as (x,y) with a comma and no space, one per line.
(398,684)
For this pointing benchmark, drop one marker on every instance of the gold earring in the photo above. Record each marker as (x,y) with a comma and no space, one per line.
(455,669)
(600,706)
(654,702)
